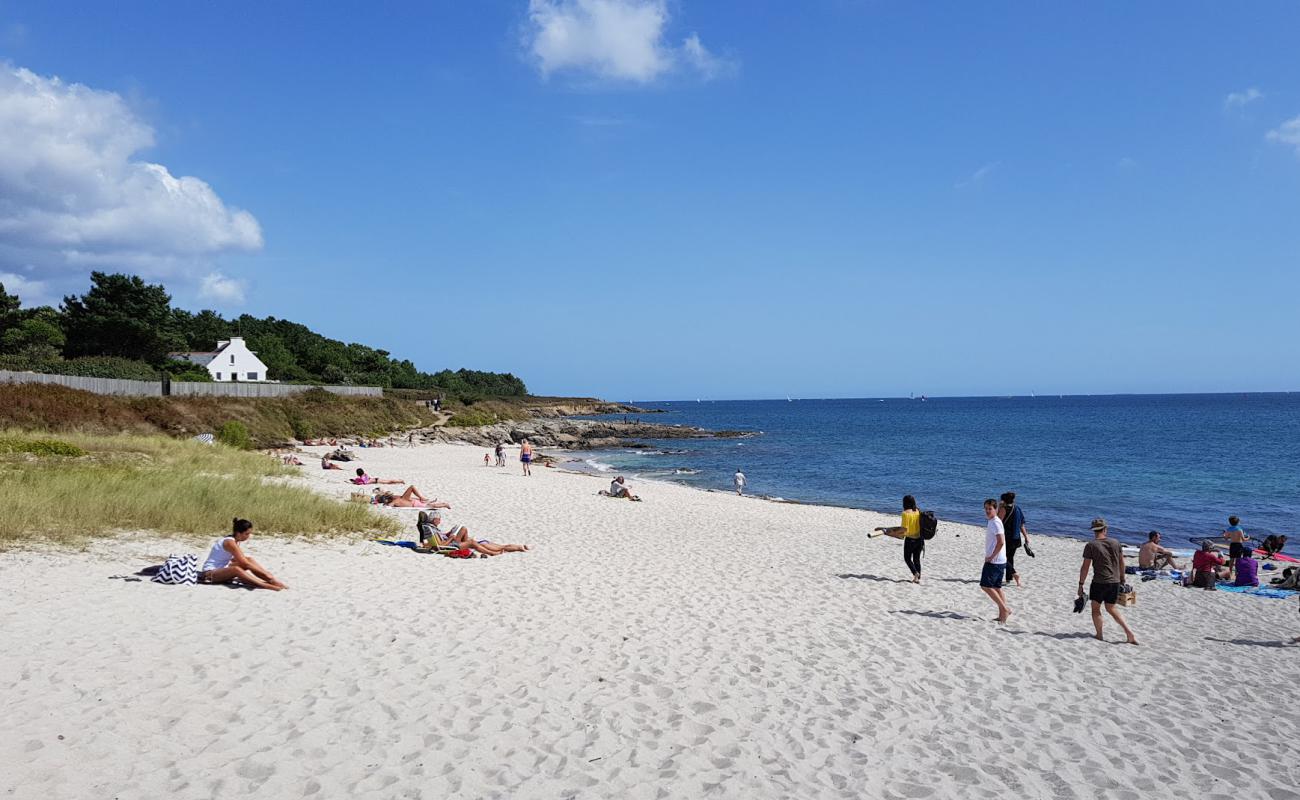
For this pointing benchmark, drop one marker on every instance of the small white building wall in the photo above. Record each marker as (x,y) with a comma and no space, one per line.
(235,362)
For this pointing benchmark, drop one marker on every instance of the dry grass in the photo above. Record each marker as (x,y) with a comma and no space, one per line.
(155,483)
(269,421)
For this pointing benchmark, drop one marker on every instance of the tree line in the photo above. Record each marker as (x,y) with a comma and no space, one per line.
(126,328)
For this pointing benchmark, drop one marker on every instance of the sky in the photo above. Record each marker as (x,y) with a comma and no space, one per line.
(672,199)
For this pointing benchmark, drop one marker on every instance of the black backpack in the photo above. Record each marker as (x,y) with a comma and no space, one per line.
(929,525)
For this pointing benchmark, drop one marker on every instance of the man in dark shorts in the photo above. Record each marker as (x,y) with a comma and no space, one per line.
(1106,558)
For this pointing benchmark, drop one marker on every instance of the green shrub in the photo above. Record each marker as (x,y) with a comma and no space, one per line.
(235,434)
(40,447)
(320,396)
(302,427)
(471,419)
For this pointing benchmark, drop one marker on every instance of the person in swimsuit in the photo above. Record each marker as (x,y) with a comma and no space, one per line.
(526,456)
(909,530)
(458,535)
(411,498)
(1236,542)
(1154,556)
(228,562)
(325,463)
(363,479)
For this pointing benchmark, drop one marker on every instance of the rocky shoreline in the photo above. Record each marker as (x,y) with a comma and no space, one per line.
(572,434)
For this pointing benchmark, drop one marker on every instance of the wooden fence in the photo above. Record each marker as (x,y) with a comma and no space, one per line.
(181,388)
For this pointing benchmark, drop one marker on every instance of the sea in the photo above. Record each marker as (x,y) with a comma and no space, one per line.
(1180,464)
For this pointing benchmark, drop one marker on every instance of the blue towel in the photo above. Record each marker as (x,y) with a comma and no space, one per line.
(1257,591)
(407,545)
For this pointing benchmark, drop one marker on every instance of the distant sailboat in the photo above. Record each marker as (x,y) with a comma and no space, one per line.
(787,399)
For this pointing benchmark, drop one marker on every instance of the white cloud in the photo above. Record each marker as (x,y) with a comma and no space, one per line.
(620,40)
(1287,134)
(222,289)
(74,196)
(1239,100)
(31,292)
(977,177)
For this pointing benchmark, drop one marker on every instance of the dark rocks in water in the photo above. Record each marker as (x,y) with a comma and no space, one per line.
(573,434)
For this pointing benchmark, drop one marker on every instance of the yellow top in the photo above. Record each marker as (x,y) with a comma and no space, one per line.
(912,524)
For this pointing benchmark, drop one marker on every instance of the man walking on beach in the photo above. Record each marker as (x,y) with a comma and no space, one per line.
(739,480)
(1106,557)
(501,454)
(995,559)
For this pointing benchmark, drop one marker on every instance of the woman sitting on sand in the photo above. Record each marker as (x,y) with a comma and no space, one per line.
(909,530)
(325,463)
(227,561)
(458,535)
(411,498)
(363,479)
(1208,567)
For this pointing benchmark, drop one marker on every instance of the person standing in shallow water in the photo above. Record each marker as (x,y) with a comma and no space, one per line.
(1106,558)
(995,560)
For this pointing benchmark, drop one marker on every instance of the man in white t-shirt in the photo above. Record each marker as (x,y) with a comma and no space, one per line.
(739,480)
(995,560)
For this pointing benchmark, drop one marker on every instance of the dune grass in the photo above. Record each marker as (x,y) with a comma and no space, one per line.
(155,483)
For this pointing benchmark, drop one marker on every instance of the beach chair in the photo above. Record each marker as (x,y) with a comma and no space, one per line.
(430,541)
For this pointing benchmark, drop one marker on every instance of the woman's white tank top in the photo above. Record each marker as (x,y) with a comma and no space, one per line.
(219,557)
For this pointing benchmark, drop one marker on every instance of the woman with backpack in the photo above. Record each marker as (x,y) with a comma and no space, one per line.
(910,532)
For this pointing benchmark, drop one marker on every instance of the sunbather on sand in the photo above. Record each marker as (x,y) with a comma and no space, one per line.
(618,488)
(325,463)
(411,498)
(363,479)
(458,535)
(227,562)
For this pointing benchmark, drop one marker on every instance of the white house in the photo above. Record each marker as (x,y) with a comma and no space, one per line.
(232,361)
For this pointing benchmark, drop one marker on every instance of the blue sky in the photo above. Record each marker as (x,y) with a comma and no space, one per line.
(644,199)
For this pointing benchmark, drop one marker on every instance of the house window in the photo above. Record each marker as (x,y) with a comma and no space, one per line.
(232,358)
(218,376)
(252,376)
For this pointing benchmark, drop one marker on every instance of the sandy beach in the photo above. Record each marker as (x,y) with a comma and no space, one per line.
(695,644)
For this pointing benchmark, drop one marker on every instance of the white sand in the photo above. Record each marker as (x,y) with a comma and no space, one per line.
(693,645)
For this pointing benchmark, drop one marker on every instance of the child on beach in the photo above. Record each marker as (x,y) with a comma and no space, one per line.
(995,560)
(1236,542)
(487,462)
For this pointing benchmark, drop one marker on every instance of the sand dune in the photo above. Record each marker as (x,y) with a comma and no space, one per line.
(693,645)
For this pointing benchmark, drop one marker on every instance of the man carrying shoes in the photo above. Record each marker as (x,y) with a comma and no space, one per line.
(1106,557)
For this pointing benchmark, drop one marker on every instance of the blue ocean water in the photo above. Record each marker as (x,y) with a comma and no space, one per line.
(1180,464)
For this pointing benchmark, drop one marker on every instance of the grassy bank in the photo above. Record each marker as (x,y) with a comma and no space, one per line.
(269,420)
(155,483)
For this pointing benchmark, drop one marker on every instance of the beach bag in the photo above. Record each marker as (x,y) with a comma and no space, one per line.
(929,525)
(1128,596)
(178,570)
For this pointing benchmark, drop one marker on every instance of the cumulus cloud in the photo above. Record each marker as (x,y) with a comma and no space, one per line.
(31,292)
(222,289)
(621,40)
(74,195)
(1287,134)
(1235,101)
